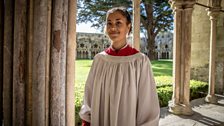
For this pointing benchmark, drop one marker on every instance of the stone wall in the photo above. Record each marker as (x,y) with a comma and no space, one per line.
(220,53)
(201,45)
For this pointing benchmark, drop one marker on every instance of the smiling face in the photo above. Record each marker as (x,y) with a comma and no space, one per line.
(117,28)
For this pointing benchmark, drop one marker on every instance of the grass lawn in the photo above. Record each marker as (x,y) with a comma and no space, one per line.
(162,67)
(82,70)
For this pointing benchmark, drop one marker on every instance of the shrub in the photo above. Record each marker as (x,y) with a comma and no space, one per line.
(78,102)
(198,89)
(164,93)
(163,80)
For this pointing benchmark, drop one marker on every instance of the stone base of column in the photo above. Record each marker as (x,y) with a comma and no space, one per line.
(211,99)
(180,109)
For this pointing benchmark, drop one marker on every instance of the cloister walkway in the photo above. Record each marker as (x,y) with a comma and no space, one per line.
(204,115)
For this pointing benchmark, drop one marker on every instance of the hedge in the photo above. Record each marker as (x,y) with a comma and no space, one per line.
(198,89)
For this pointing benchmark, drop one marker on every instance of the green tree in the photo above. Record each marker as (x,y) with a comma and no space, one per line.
(156,16)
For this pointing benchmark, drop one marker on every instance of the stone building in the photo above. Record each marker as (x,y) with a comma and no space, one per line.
(89,44)
(164,45)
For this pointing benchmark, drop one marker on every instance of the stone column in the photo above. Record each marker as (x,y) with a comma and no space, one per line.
(55,63)
(181,57)
(136,24)
(1,57)
(8,62)
(213,14)
(37,66)
(19,63)
(70,78)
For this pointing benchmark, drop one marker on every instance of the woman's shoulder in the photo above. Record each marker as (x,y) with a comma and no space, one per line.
(100,55)
(103,55)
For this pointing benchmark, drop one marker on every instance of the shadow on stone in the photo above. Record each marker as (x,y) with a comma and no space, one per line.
(199,118)
(205,114)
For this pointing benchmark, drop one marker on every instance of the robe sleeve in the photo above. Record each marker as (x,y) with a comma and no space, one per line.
(85,112)
(148,109)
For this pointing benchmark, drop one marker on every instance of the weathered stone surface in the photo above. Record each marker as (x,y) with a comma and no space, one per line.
(39,55)
(200,36)
(219,78)
(200,73)
(19,63)
(7,64)
(201,45)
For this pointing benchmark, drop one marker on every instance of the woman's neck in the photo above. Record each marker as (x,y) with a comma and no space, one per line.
(118,46)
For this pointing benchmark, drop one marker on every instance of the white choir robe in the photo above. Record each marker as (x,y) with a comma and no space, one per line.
(120,91)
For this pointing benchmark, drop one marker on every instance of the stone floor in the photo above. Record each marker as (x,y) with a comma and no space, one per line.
(204,115)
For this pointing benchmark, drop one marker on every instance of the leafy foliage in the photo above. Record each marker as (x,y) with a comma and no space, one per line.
(198,89)
(164,94)
(162,81)
(94,11)
(157,15)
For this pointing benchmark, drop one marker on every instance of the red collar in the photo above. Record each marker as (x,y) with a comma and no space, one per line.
(125,51)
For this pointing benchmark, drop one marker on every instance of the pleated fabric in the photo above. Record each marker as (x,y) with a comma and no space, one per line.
(120,91)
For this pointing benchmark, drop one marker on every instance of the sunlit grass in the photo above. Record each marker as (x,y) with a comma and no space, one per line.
(162,67)
(82,70)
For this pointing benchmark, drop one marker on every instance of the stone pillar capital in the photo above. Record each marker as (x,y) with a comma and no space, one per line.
(182,3)
(178,5)
(213,14)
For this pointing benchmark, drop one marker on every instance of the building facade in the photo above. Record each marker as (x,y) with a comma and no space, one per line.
(164,45)
(89,44)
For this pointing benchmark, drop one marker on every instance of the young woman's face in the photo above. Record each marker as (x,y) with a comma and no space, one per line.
(117,27)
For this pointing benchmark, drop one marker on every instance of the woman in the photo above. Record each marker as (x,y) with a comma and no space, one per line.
(120,89)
